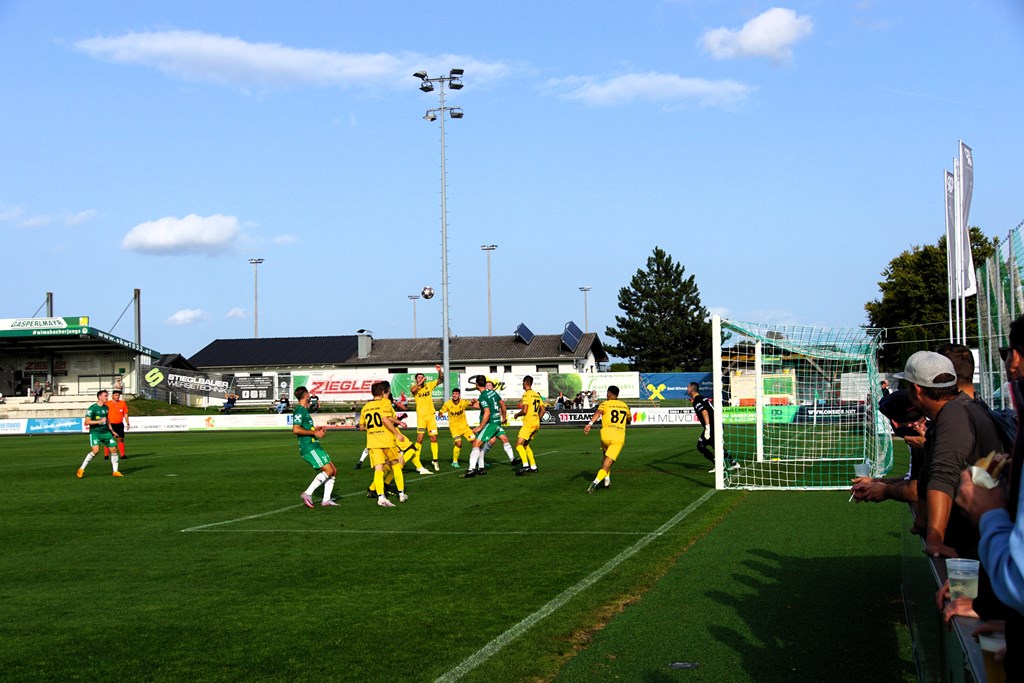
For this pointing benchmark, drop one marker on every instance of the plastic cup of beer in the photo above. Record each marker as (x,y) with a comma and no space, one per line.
(990,644)
(963,578)
(862,469)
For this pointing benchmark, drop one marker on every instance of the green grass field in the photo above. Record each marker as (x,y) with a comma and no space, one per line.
(202,564)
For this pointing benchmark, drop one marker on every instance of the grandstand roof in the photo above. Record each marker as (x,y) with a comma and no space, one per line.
(58,335)
(343,351)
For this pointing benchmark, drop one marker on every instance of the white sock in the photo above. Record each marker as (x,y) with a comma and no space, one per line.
(113,460)
(508,451)
(320,478)
(474,458)
(328,488)
(88,459)
(486,447)
(608,480)
(366,452)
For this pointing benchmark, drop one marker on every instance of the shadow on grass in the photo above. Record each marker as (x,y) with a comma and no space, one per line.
(814,618)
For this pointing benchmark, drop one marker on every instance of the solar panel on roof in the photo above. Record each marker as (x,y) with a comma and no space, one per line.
(572,335)
(524,334)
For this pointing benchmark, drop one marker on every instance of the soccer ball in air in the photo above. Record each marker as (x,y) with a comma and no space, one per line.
(428,292)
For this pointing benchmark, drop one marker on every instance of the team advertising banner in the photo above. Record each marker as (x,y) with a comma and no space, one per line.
(401,386)
(337,386)
(508,384)
(950,190)
(42,327)
(970,281)
(573,383)
(658,386)
(172,379)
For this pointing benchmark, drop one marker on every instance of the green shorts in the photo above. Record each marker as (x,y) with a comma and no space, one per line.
(102,439)
(316,457)
(491,430)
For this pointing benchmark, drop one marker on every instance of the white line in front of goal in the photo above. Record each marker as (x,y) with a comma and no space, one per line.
(493,647)
(298,505)
(424,532)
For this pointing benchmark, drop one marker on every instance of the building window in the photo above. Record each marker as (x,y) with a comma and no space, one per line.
(397,370)
(494,368)
(508,368)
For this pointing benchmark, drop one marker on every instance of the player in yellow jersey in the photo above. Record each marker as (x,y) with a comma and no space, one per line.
(456,409)
(426,422)
(377,419)
(614,416)
(531,409)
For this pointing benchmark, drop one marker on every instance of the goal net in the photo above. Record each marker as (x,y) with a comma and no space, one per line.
(796,406)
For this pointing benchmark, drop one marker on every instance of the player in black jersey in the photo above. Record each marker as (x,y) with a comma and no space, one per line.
(705,411)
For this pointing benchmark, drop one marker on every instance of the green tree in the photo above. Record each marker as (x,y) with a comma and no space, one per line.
(664,327)
(914,306)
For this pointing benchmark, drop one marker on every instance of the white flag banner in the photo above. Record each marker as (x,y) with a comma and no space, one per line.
(950,186)
(969,280)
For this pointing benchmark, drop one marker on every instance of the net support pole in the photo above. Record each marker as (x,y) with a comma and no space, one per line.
(758,401)
(716,390)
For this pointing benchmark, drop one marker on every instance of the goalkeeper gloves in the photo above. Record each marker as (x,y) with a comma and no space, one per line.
(707,433)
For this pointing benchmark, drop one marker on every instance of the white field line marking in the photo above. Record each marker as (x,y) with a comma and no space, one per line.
(493,647)
(292,507)
(422,532)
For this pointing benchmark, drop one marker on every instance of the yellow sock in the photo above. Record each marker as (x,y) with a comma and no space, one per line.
(529,453)
(601,474)
(378,482)
(419,448)
(390,476)
(416,459)
(455,453)
(399,478)
(523,457)
(433,449)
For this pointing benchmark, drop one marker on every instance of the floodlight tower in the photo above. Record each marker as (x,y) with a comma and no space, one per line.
(586,318)
(413,297)
(452,81)
(256,296)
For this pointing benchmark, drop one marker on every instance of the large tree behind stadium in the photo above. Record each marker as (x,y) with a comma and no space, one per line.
(914,306)
(663,326)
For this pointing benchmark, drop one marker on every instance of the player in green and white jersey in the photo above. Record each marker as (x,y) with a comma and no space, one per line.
(99,434)
(492,416)
(311,451)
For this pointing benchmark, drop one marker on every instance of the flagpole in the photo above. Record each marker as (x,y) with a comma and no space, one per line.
(958,271)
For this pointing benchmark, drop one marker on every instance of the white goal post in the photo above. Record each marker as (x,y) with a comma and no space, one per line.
(796,406)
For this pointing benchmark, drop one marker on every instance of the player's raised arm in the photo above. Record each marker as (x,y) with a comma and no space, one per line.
(440,374)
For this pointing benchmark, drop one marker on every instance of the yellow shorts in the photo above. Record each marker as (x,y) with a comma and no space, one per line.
(378,456)
(612,449)
(528,430)
(427,423)
(462,433)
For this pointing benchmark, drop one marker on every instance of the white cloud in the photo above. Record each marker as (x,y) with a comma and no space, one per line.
(37,222)
(770,34)
(11,214)
(236,313)
(652,87)
(285,239)
(80,217)
(212,58)
(189,235)
(187,316)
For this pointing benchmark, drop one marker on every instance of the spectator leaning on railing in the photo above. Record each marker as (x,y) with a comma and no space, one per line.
(1002,530)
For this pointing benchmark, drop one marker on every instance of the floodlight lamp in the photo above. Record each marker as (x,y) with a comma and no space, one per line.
(421,75)
(455,85)
(457,72)
(430,116)
(456,113)
(427,86)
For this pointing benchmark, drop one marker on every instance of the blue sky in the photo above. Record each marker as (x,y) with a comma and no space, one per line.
(783,153)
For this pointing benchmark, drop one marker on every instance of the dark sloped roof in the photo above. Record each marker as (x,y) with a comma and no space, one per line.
(342,351)
(276,351)
(175,360)
(464,350)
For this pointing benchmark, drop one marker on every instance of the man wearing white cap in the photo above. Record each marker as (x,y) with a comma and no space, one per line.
(959,432)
